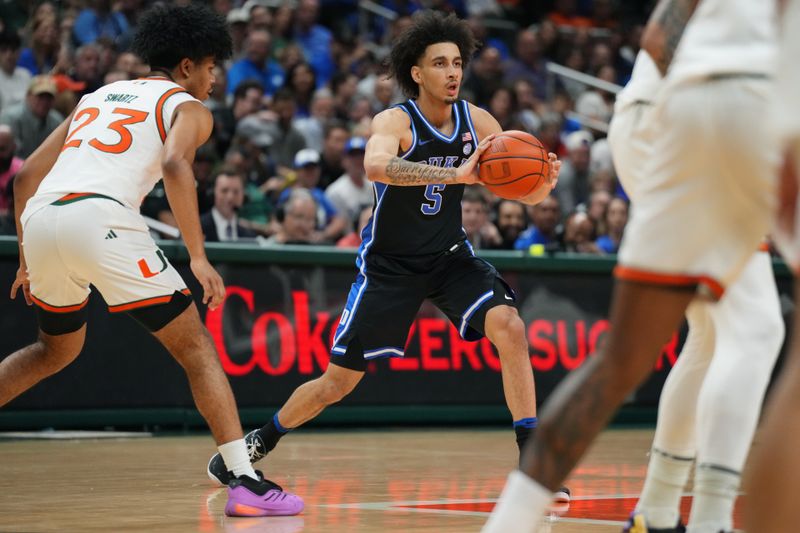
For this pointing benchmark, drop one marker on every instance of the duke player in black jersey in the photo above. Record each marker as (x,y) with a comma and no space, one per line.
(421,154)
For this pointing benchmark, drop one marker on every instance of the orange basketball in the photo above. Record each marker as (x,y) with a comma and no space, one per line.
(514,165)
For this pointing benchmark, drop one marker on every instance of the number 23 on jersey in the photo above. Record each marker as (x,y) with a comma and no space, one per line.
(88,115)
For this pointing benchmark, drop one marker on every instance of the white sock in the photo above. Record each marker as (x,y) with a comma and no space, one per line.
(237,460)
(521,506)
(715,491)
(663,487)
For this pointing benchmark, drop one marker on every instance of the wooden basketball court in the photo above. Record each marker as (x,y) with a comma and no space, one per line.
(352,481)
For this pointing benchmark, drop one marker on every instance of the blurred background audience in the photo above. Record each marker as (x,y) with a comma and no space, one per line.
(293,107)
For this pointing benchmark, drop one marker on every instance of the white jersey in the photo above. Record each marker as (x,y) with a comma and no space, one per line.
(787,108)
(727,37)
(114,144)
(643,85)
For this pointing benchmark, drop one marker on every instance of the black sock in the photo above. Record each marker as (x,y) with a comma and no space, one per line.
(525,429)
(271,434)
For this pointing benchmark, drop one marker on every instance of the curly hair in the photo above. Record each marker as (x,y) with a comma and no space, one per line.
(429,27)
(168,33)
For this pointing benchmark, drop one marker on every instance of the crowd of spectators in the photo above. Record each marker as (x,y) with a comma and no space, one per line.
(293,106)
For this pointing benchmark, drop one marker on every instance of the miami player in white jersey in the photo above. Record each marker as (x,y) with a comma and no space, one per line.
(711,400)
(77,205)
(775,480)
(698,218)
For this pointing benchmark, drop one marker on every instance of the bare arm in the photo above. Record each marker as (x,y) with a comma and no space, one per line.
(36,167)
(664,30)
(382,164)
(191,128)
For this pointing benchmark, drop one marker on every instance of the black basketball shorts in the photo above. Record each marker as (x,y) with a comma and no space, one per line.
(388,292)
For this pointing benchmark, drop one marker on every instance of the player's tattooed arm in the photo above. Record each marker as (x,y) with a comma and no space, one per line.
(402,172)
(664,30)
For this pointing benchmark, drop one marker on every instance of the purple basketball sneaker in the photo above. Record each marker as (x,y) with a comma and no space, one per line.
(248,497)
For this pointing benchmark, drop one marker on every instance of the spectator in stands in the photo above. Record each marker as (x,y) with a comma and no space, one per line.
(9,166)
(484,76)
(616,219)
(565,13)
(596,208)
(301,81)
(87,67)
(511,221)
(131,64)
(573,180)
(257,64)
(205,159)
(42,54)
(288,140)
(528,63)
(344,86)
(360,116)
(237,19)
(33,119)
(332,157)
(8,220)
(353,239)
(99,21)
(545,218)
(352,191)
(247,99)
(14,80)
(222,222)
(330,225)
(315,40)
(297,219)
(475,220)
(580,234)
(550,134)
(219,90)
(313,126)
(528,106)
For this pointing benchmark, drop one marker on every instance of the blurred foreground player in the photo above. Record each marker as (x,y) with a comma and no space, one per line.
(772,491)
(77,203)
(711,400)
(419,157)
(701,213)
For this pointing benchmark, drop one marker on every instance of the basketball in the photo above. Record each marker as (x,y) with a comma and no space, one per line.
(514,165)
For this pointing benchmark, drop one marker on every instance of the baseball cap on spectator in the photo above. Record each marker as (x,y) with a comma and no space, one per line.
(260,132)
(577,138)
(42,84)
(355,144)
(306,157)
(238,15)
(65,83)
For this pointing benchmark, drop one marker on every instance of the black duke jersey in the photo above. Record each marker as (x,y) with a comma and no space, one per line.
(422,220)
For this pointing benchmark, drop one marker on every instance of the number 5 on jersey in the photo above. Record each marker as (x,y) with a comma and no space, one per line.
(433,193)
(134,116)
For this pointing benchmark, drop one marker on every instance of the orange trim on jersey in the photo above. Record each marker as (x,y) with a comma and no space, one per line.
(59,308)
(675,280)
(763,247)
(162,130)
(156,300)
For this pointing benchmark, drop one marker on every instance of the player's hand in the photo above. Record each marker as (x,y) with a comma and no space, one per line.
(467,173)
(555,168)
(211,281)
(23,282)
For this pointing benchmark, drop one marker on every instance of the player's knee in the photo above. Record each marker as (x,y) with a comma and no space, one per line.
(53,357)
(503,324)
(334,390)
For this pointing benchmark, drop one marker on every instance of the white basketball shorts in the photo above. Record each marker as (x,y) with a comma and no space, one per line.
(709,192)
(85,239)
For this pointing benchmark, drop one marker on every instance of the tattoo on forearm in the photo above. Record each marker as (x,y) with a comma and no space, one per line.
(402,172)
(672,20)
